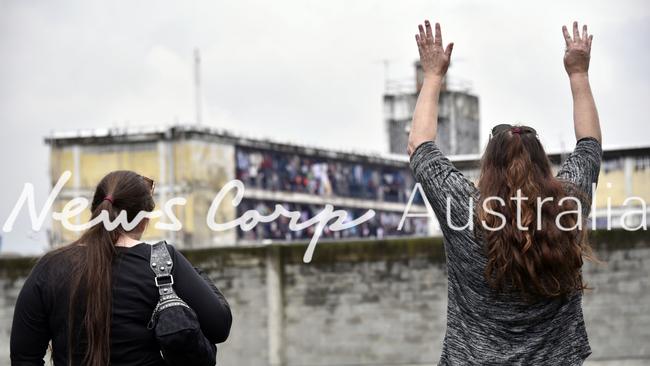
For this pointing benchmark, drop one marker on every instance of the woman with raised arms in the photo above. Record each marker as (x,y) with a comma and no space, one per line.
(515,284)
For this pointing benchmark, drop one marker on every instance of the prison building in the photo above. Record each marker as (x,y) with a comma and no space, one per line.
(458,116)
(195,163)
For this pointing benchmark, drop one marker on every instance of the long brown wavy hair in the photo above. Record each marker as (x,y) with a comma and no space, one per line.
(91,258)
(538,262)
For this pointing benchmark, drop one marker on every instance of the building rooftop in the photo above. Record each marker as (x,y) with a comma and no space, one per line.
(126,135)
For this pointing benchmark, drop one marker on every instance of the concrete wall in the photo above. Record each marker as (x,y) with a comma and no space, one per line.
(380,302)
(398,112)
(458,122)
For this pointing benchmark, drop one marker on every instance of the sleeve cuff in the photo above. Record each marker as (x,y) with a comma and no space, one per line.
(588,138)
(425,152)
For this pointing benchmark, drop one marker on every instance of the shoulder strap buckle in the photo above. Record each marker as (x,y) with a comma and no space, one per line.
(161,264)
(168,280)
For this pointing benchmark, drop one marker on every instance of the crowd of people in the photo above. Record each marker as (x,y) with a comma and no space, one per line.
(383,224)
(279,171)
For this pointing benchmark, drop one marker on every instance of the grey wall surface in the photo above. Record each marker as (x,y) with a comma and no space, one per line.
(380,302)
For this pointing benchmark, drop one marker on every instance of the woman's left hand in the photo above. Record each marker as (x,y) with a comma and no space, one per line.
(578,50)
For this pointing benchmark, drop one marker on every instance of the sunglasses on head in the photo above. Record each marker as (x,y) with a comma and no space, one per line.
(500,128)
(150,183)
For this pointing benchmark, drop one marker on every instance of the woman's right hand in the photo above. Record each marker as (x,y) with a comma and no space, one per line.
(433,58)
(578,50)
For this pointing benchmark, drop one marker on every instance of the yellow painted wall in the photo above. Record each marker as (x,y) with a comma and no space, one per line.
(96,162)
(59,233)
(641,184)
(61,159)
(199,170)
(204,163)
(617,190)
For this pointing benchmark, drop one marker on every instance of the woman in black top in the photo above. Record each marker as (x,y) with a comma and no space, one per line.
(94,297)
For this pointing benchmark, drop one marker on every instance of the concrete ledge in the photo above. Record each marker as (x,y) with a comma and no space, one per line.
(346,251)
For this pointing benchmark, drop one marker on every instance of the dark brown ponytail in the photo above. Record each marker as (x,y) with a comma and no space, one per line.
(91,258)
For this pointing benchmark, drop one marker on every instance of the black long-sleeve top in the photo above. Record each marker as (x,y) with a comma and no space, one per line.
(41,312)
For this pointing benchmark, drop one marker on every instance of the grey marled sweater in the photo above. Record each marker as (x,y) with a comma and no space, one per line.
(484,327)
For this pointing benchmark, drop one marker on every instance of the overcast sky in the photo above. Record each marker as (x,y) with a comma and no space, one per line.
(305,71)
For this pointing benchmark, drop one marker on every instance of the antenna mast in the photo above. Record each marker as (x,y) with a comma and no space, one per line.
(197,86)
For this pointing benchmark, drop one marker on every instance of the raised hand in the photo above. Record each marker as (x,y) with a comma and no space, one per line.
(433,58)
(576,62)
(578,50)
(435,61)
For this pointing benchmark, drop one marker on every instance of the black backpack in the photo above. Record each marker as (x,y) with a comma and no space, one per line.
(175,324)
